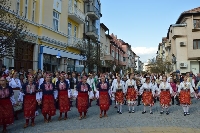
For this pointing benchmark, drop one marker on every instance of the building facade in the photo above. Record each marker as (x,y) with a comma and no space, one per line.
(55,38)
(184,41)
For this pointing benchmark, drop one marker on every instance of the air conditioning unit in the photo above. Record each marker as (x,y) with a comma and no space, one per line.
(182,44)
(183,65)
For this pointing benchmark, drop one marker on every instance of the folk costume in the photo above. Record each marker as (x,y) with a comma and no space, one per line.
(30,102)
(92,85)
(185,90)
(165,92)
(6,106)
(147,91)
(119,92)
(83,93)
(63,97)
(131,94)
(104,97)
(48,103)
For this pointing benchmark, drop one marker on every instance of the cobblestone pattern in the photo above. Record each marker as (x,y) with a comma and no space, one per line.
(114,121)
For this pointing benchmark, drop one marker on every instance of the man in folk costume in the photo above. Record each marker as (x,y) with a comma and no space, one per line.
(15,84)
(63,96)
(83,93)
(103,96)
(48,103)
(147,91)
(119,94)
(165,91)
(30,100)
(131,93)
(6,104)
(91,82)
(185,90)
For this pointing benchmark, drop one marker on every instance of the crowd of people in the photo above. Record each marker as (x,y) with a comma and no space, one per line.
(31,91)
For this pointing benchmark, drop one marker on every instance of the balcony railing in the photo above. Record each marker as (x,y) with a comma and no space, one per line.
(76,43)
(92,28)
(93,9)
(76,14)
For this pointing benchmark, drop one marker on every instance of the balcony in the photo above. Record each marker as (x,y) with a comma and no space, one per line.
(108,57)
(178,32)
(76,14)
(76,43)
(93,12)
(92,32)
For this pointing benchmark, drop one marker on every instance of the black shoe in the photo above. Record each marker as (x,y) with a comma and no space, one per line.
(120,112)
(129,111)
(167,113)
(185,113)
(151,112)
(188,113)
(133,111)
(117,111)
(143,112)
(178,104)
(138,104)
(172,103)
(161,112)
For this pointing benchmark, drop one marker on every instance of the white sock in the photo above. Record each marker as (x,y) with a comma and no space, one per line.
(187,109)
(144,108)
(133,107)
(150,109)
(129,107)
(184,109)
(120,108)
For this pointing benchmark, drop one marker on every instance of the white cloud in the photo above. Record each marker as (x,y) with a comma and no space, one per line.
(145,53)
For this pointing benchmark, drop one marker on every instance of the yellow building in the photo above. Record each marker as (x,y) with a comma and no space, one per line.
(54,41)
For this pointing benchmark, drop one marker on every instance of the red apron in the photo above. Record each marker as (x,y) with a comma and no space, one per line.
(165,98)
(30,104)
(147,98)
(82,102)
(131,94)
(104,100)
(48,105)
(64,103)
(184,97)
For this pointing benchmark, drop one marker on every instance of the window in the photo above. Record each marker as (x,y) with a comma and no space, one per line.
(33,12)
(196,23)
(55,20)
(18,7)
(106,49)
(113,53)
(196,44)
(75,31)
(69,28)
(26,9)
(124,59)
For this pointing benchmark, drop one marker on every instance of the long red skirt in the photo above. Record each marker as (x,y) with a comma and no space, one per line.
(147,98)
(30,104)
(104,100)
(48,105)
(6,112)
(82,102)
(131,94)
(165,99)
(119,97)
(184,97)
(64,103)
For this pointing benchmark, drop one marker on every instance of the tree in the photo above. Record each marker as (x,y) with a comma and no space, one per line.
(92,55)
(12,28)
(160,66)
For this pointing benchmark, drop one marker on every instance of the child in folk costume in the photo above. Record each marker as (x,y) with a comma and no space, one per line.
(131,93)
(48,99)
(198,89)
(119,91)
(29,90)
(165,92)
(6,104)
(103,96)
(184,91)
(82,94)
(64,96)
(91,82)
(147,91)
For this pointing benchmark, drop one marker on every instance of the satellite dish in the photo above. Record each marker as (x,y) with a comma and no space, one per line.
(58,55)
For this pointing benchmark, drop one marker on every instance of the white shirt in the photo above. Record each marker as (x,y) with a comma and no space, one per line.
(165,86)
(118,86)
(15,83)
(185,85)
(147,87)
(91,82)
(155,86)
(41,80)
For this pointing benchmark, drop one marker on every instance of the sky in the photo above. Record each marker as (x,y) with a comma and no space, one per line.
(143,23)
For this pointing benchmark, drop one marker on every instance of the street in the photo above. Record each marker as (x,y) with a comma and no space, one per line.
(126,122)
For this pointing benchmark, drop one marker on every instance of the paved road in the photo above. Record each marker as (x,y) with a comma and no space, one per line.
(125,122)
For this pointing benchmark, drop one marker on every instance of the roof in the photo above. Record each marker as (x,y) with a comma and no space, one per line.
(104,26)
(194,11)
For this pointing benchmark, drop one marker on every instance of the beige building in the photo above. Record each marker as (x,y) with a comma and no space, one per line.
(184,41)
